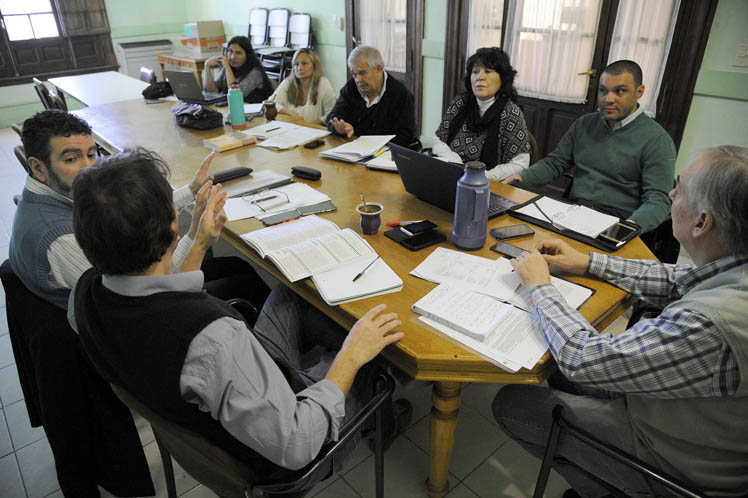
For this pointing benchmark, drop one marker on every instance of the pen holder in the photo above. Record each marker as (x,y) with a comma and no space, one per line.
(371,218)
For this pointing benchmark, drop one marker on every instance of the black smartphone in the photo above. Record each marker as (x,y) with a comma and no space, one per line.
(314,144)
(423,239)
(507,250)
(618,233)
(512,232)
(416,228)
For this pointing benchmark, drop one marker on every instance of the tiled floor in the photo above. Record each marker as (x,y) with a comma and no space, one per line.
(484,463)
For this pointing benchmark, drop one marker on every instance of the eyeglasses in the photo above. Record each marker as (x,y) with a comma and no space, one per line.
(264,197)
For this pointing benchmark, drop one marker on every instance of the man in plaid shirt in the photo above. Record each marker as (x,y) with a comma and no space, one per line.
(672,390)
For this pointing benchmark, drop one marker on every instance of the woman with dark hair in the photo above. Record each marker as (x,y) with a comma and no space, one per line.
(240,65)
(305,94)
(484,123)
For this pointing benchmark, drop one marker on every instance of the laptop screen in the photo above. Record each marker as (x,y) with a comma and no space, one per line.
(429,178)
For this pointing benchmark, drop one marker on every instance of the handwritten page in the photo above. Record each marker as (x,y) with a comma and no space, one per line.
(574,217)
(491,277)
(495,278)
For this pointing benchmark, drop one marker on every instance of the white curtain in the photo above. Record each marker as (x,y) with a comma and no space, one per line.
(484,24)
(383,25)
(551,42)
(643,32)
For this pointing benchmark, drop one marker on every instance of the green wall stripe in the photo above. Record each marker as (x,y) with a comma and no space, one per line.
(725,84)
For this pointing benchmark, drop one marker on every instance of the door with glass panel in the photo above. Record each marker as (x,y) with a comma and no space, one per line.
(559,48)
(395,27)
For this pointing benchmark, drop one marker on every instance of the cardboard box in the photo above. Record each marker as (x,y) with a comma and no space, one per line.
(204,29)
(199,47)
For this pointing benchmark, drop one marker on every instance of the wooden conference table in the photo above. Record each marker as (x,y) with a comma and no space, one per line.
(422,354)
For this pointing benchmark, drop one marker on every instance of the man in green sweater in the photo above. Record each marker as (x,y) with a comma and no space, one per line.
(624,160)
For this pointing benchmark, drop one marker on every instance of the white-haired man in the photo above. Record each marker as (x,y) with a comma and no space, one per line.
(671,390)
(373,103)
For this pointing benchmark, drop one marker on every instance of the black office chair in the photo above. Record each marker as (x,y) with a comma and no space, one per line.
(561,425)
(43,92)
(20,153)
(230,478)
(92,435)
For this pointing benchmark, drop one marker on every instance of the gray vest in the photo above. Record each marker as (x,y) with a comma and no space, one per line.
(39,221)
(704,440)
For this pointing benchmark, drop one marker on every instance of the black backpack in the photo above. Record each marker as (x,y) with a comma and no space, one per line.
(196,116)
(158,90)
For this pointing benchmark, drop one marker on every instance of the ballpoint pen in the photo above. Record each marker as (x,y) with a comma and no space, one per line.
(543,213)
(255,201)
(364,270)
(272,129)
(401,223)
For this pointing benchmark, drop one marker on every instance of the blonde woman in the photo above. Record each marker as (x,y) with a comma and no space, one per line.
(305,94)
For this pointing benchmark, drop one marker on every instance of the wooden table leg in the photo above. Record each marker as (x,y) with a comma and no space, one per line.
(446,405)
(163,75)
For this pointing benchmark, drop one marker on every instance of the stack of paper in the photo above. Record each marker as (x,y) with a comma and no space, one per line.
(494,278)
(361,149)
(279,135)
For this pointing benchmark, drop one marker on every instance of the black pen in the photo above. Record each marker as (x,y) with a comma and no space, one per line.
(264,199)
(543,213)
(364,270)
(273,129)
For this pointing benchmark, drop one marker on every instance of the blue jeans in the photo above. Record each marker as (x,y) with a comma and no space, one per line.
(289,327)
(524,414)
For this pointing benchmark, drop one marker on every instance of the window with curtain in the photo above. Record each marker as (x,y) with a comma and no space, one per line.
(642,33)
(384,25)
(485,24)
(551,42)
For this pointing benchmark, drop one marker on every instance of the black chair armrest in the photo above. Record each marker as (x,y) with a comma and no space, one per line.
(385,386)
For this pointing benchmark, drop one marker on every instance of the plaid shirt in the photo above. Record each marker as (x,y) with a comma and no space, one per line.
(678,354)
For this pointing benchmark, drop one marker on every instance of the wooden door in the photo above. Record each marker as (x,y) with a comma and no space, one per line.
(404,20)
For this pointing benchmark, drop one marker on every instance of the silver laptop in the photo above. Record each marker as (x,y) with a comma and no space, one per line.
(186,88)
(435,181)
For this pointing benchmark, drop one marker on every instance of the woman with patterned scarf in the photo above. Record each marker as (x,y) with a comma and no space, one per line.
(484,123)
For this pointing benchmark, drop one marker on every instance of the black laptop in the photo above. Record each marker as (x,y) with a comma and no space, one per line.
(186,88)
(435,181)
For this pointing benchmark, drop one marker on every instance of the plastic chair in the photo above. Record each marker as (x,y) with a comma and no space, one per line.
(228,477)
(300,29)
(561,425)
(278,27)
(17,128)
(148,75)
(258,27)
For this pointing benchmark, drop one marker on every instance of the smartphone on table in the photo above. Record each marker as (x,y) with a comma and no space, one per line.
(507,250)
(512,232)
